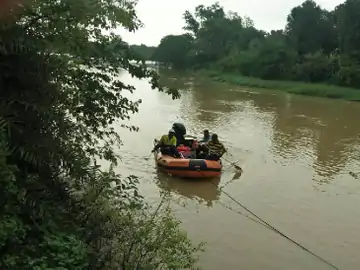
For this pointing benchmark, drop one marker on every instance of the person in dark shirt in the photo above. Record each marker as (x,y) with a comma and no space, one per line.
(180,131)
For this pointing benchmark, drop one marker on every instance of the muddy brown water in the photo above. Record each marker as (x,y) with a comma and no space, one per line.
(296,153)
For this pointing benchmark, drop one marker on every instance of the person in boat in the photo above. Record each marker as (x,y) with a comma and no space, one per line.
(206,137)
(167,145)
(201,150)
(180,131)
(215,148)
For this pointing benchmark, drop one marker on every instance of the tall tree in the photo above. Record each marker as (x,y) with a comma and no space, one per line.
(348,26)
(311,28)
(60,95)
(173,50)
(210,35)
(308,48)
(143,52)
(217,33)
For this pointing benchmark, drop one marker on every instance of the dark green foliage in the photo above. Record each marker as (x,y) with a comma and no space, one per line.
(271,59)
(59,98)
(347,18)
(316,45)
(316,67)
(311,29)
(143,52)
(174,51)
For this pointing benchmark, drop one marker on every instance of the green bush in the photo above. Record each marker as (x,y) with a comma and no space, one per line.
(59,99)
(316,68)
(348,76)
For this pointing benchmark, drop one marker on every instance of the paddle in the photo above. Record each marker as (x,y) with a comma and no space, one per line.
(148,157)
(233,164)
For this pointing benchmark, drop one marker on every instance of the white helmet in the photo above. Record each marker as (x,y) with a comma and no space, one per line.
(172,131)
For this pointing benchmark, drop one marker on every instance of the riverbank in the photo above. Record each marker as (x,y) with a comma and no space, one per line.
(299,88)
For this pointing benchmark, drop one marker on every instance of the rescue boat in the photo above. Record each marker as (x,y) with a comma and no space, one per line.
(186,166)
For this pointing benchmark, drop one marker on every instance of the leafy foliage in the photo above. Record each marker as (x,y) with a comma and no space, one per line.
(144,52)
(316,45)
(174,50)
(59,100)
(311,29)
(347,22)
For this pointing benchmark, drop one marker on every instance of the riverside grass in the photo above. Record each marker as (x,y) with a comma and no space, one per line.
(299,88)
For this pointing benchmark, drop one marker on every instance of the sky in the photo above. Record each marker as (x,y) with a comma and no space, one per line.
(164,17)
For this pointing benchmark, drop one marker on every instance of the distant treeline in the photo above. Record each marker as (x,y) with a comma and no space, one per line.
(134,52)
(142,51)
(316,45)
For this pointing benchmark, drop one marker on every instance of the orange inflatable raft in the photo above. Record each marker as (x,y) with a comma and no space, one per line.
(188,167)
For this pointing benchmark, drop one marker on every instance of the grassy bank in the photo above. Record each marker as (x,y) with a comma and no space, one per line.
(300,88)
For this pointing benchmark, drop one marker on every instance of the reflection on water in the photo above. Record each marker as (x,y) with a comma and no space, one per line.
(204,191)
(296,153)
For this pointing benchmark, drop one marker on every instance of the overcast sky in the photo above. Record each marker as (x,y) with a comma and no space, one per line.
(164,17)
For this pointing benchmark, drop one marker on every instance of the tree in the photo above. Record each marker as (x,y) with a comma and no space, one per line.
(348,27)
(311,28)
(173,50)
(271,59)
(217,34)
(207,26)
(59,98)
(316,45)
(316,67)
(143,52)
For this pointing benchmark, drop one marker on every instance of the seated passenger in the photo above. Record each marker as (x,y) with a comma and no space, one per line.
(201,150)
(206,137)
(216,149)
(167,145)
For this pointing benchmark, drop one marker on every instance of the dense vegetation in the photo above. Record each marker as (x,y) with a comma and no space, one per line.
(59,99)
(143,52)
(316,45)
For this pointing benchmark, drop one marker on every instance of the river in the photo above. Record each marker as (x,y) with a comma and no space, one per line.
(296,153)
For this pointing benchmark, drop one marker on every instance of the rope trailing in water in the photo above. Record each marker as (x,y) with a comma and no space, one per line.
(233,164)
(272,227)
(276,230)
(245,215)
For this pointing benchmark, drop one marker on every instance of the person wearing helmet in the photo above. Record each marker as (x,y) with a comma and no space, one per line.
(167,145)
